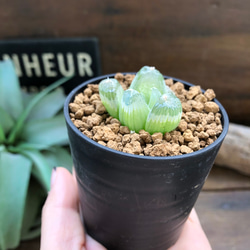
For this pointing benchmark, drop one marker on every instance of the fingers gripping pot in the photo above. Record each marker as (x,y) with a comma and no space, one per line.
(137,202)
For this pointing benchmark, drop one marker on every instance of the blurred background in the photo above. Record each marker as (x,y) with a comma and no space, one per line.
(205,42)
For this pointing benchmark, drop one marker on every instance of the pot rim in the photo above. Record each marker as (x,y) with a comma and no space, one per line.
(95,80)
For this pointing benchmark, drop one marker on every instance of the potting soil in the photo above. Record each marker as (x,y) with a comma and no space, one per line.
(199,127)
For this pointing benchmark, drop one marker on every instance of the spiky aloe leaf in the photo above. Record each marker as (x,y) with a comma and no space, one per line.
(6,121)
(165,115)
(41,169)
(44,111)
(47,132)
(27,97)
(15,173)
(133,110)
(22,154)
(21,120)
(31,226)
(111,92)
(58,156)
(2,135)
(146,79)
(29,146)
(10,91)
(2,148)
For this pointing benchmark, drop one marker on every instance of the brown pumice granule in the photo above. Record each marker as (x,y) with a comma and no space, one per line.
(200,124)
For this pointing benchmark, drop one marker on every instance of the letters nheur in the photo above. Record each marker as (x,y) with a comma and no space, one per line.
(33,67)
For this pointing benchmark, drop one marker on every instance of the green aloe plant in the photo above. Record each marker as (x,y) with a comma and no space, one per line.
(148,104)
(32,140)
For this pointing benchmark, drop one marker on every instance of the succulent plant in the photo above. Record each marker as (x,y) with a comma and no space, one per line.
(32,140)
(148,104)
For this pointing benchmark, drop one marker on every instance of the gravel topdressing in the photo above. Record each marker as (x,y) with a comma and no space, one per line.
(199,127)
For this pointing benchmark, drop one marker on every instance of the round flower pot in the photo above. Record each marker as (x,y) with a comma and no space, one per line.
(137,202)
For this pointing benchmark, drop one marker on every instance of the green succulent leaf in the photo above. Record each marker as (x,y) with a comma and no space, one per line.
(31,135)
(21,120)
(169,92)
(59,156)
(15,173)
(30,146)
(146,79)
(32,214)
(111,92)
(41,169)
(6,121)
(148,104)
(2,135)
(133,110)
(154,97)
(165,115)
(2,148)
(33,233)
(27,97)
(46,132)
(48,106)
(10,91)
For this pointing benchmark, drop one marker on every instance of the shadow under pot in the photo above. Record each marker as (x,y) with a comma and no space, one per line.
(133,202)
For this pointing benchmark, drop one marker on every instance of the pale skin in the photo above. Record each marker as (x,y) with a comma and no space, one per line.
(62,228)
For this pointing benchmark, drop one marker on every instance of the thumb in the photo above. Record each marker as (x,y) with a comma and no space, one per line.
(61,223)
(192,236)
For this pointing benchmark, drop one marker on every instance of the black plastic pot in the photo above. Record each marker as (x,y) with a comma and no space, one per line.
(132,202)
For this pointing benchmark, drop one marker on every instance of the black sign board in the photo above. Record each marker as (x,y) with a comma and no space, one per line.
(40,62)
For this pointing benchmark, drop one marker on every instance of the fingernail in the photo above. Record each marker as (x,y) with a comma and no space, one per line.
(53,177)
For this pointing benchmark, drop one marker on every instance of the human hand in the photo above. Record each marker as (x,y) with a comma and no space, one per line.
(61,223)
(192,236)
(62,227)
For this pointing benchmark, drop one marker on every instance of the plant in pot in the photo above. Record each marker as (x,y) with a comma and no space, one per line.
(141,167)
(33,137)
